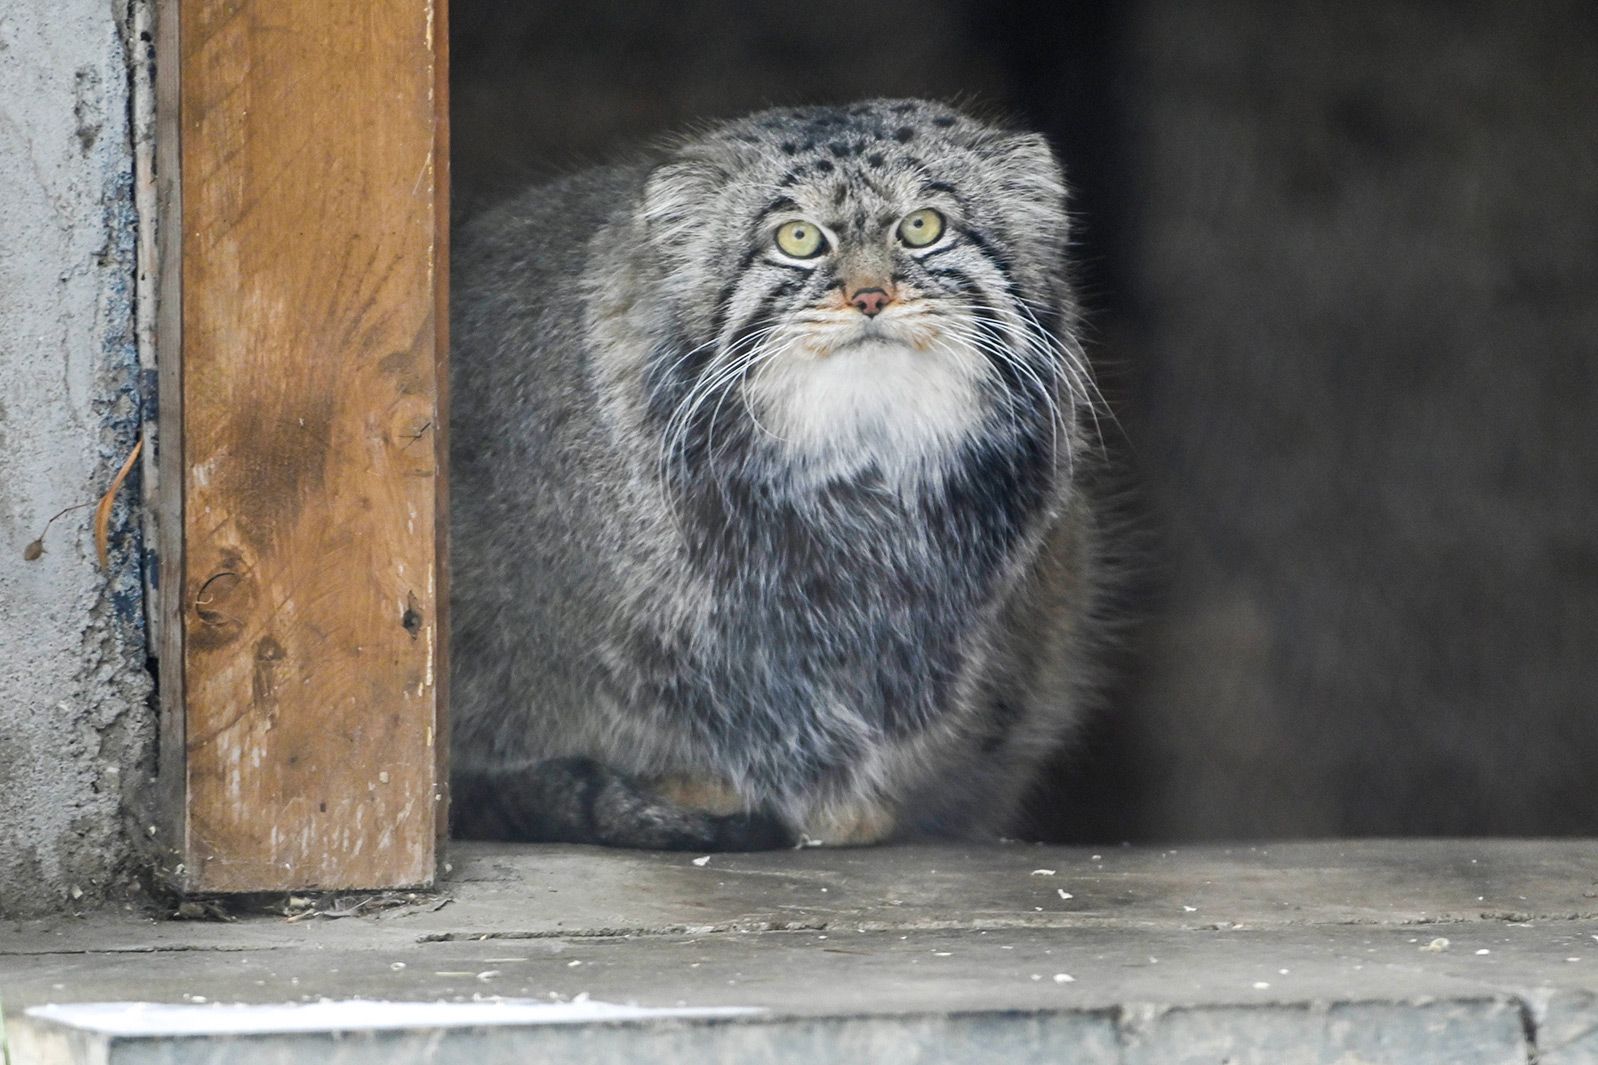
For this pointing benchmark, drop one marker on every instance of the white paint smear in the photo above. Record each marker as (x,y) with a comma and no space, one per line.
(349,1015)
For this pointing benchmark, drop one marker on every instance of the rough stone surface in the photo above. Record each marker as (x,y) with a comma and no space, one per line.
(1404,952)
(74,727)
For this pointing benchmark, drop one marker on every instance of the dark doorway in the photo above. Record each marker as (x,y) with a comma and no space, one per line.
(1339,267)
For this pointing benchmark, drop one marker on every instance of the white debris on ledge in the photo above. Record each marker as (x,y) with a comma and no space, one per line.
(147,1019)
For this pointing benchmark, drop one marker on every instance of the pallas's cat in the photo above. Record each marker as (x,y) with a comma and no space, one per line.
(767,508)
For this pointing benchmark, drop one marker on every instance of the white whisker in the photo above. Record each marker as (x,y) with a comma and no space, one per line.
(977,339)
(717,373)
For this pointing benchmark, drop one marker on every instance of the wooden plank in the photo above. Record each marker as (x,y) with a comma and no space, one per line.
(310,252)
(441,422)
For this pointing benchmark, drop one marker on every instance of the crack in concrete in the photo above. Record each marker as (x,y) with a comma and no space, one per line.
(1073,922)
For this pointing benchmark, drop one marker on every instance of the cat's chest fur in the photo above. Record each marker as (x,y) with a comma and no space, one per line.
(876,414)
(841,617)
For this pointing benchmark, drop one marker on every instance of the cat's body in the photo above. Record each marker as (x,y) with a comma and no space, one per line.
(754,541)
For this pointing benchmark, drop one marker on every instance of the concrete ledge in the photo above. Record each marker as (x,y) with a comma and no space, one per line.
(1487,1032)
(1376,952)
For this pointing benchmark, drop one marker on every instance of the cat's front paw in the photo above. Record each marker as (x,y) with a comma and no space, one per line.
(707,794)
(731,825)
(856,823)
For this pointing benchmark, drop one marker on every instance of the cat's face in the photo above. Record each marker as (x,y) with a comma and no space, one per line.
(862,286)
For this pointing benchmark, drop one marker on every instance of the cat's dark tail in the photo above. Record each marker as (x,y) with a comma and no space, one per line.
(578,800)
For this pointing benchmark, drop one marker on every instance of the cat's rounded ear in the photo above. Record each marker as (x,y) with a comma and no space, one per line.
(675,195)
(1027,157)
(1030,174)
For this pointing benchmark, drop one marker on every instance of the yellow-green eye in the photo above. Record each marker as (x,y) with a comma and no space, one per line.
(921,228)
(801,239)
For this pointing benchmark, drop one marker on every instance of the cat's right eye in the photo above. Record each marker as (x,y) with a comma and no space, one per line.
(921,229)
(800,239)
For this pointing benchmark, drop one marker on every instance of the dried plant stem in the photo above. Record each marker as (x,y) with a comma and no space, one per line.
(102,513)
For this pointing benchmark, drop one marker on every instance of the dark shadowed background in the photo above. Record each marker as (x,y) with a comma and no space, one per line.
(1341,262)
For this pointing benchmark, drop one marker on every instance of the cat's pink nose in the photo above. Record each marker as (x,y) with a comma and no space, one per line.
(869,301)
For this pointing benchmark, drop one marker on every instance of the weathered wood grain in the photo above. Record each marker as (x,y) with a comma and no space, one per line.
(311,256)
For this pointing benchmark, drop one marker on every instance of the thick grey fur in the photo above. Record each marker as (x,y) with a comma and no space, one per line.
(867,636)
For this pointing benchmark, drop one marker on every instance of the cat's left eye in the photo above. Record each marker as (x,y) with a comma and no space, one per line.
(921,228)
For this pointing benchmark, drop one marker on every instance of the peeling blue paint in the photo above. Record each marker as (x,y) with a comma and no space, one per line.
(122,406)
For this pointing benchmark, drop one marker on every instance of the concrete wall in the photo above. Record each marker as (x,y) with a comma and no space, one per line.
(75,722)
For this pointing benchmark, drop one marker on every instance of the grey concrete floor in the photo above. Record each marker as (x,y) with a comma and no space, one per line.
(1407,952)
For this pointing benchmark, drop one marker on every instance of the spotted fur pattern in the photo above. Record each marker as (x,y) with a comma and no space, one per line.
(736,562)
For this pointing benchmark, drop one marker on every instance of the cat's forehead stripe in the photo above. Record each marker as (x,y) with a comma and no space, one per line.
(845,165)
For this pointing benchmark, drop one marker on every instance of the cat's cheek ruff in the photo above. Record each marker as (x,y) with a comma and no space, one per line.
(1031,374)
(682,359)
